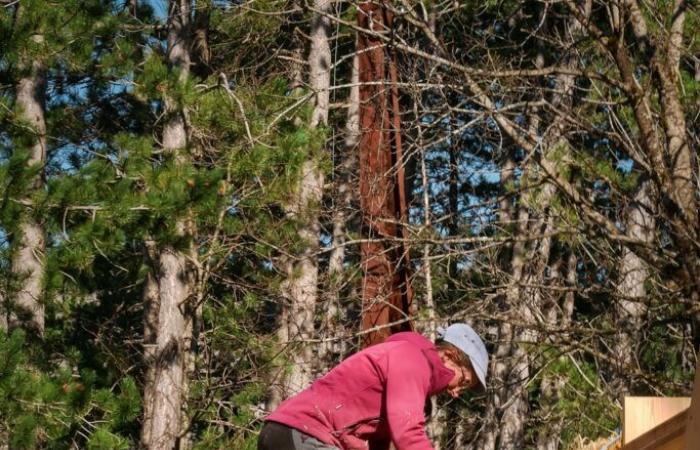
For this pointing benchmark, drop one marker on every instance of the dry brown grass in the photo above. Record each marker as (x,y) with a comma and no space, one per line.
(607,443)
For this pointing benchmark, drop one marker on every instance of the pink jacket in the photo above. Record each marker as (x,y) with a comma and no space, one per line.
(376,394)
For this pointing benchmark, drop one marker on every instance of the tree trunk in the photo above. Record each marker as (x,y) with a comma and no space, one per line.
(524,294)
(437,420)
(30,241)
(501,361)
(537,302)
(681,158)
(386,288)
(168,316)
(503,332)
(514,402)
(301,286)
(165,392)
(549,436)
(508,408)
(673,162)
(524,298)
(201,53)
(631,288)
(341,215)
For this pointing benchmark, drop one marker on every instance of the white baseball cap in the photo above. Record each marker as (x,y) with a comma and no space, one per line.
(465,338)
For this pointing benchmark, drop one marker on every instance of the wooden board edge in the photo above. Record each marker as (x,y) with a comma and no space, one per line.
(692,431)
(660,434)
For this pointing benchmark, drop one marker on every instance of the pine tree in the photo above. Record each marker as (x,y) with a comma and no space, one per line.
(301,288)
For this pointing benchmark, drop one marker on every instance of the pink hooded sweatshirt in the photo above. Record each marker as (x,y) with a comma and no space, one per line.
(377,395)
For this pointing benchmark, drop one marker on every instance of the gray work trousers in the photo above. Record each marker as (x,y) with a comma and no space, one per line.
(277,436)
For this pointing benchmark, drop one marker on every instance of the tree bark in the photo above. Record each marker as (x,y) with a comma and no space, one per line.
(508,218)
(341,214)
(681,159)
(301,285)
(525,299)
(631,288)
(168,316)
(386,288)
(524,296)
(514,404)
(201,53)
(165,391)
(501,361)
(673,163)
(549,435)
(438,417)
(27,308)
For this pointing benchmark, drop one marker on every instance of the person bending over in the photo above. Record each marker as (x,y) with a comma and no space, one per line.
(378,395)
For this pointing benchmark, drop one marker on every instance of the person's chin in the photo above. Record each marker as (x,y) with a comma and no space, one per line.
(454,393)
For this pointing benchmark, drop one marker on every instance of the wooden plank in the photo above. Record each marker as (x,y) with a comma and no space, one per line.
(641,414)
(692,433)
(669,435)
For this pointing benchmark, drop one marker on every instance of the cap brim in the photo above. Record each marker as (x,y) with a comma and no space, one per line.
(481,387)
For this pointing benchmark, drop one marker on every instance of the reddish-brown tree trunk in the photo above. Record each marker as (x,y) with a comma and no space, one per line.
(386,289)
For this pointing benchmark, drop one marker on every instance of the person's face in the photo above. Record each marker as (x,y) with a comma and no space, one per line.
(464,377)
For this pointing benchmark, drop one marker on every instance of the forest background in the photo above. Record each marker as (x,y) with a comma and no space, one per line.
(187,230)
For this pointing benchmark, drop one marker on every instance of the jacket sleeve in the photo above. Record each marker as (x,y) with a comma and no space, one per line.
(407,384)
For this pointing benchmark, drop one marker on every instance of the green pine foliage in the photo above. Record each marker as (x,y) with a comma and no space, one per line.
(47,405)
(109,187)
(581,403)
